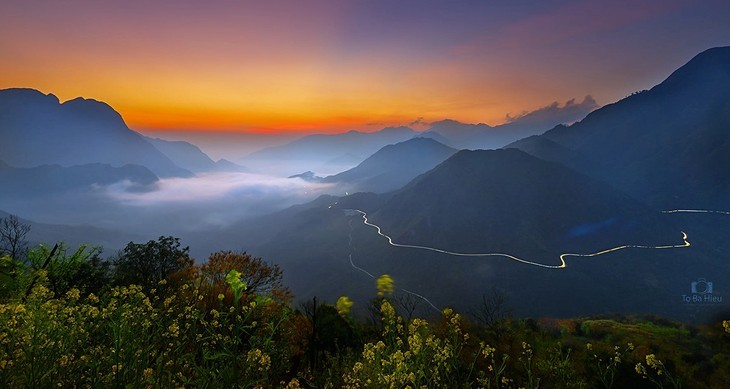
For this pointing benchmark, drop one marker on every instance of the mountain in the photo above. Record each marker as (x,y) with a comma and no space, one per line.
(313,152)
(457,133)
(482,136)
(668,146)
(76,235)
(190,157)
(509,201)
(48,180)
(183,154)
(493,201)
(36,129)
(392,166)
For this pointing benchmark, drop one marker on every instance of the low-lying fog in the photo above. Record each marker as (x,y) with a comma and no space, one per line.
(204,202)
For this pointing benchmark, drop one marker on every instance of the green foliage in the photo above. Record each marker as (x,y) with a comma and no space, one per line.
(228,323)
(11,274)
(82,269)
(132,337)
(149,263)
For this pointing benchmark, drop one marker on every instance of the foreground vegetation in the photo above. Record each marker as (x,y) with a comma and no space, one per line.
(150,317)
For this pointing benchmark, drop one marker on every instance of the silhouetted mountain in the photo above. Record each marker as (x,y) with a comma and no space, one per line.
(482,136)
(509,201)
(183,154)
(35,129)
(224,165)
(313,151)
(502,201)
(50,179)
(392,166)
(669,146)
(189,156)
(456,132)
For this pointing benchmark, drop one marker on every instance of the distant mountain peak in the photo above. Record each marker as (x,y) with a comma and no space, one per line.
(662,146)
(711,66)
(36,129)
(397,129)
(27,94)
(393,166)
(93,109)
(446,122)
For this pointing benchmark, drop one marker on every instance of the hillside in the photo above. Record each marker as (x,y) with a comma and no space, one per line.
(330,151)
(667,146)
(36,129)
(509,201)
(49,180)
(393,166)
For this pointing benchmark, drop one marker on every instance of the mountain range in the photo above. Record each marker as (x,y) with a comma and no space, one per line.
(584,187)
(326,153)
(190,157)
(333,152)
(37,129)
(482,136)
(508,201)
(668,146)
(49,180)
(392,166)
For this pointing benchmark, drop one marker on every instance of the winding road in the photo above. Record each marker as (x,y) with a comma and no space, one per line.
(563,264)
(562,257)
(352,263)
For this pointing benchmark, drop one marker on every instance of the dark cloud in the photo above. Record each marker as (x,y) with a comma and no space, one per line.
(419,121)
(555,113)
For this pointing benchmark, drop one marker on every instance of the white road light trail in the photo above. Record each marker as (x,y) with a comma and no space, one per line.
(562,257)
(373,277)
(563,264)
(696,211)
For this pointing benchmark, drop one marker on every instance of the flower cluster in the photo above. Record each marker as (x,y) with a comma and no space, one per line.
(132,337)
(409,356)
(385,285)
(343,305)
(657,372)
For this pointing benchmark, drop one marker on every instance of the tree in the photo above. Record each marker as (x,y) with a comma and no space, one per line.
(147,264)
(493,313)
(260,277)
(12,237)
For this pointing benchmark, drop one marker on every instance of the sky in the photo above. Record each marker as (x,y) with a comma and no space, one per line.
(330,66)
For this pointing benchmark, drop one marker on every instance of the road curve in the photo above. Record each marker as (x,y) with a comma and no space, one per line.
(352,263)
(562,257)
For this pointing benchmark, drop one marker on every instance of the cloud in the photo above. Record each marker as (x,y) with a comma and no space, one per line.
(218,199)
(418,122)
(555,114)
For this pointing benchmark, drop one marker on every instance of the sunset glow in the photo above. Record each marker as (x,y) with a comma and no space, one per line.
(333,66)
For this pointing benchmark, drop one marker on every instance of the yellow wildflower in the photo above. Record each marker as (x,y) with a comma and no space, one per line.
(343,305)
(385,285)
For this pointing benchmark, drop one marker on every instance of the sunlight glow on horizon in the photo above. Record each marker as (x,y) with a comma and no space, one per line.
(328,66)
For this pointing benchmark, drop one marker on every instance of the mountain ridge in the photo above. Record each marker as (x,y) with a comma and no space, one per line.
(36,129)
(650,142)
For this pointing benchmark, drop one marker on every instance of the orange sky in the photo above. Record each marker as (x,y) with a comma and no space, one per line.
(338,65)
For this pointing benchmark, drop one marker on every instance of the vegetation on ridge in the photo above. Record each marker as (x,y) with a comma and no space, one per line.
(70,318)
